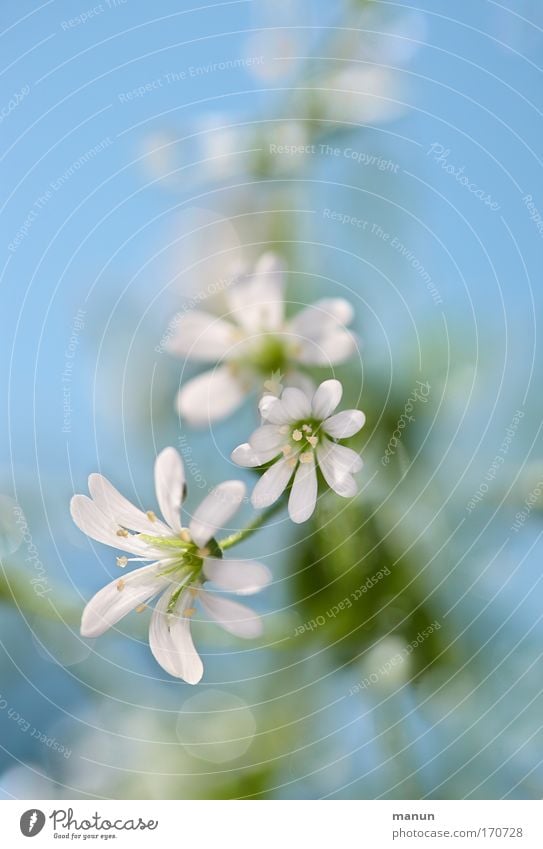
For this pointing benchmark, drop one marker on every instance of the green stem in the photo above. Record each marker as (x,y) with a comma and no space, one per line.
(253,526)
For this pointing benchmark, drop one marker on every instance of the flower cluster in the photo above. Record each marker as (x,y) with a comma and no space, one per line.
(299,434)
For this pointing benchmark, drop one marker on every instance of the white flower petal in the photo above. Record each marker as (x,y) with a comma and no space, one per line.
(201,336)
(301,381)
(257,302)
(303,495)
(345,458)
(346,486)
(170,486)
(234,617)
(267,438)
(272,410)
(341,310)
(244,577)
(216,510)
(326,398)
(332,348)
(336,466)
(96,524)
(119,597)
(344,424)
(357,94)
(120,509)
(321,334)
(210,396)
(296,403)
(245,455)
(272,483)
(320,318)
(171,642)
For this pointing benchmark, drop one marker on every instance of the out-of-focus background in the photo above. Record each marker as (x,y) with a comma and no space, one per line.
(391,154)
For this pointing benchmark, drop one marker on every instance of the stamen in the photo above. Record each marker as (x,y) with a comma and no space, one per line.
(190,611)
(297,435)
(184,535)
(122,561)
(286,449)
(313,440)
(292,462)
(140,608)
(120,584)
(204,552)
(306,457)
(284,429)
(151,516)
(122,532)
(307,428)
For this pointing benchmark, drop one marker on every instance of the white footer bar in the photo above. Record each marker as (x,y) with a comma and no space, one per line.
(274,824)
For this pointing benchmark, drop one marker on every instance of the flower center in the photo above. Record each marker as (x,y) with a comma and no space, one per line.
(184,563)
(269,355)
(302,439)
(185,557)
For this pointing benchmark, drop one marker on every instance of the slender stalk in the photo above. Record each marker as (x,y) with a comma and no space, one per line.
(253,526)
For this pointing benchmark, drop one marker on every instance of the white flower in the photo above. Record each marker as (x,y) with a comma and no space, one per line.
(358,94)
(299,433)
(223,148)
(254,341)
(182,560)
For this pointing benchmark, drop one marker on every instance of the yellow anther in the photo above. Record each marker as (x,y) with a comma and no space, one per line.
(122,532)
(307,428)
(204,552)
(184,535)
(297,435)
(306,457)
(140,608)
(313,440)
(286,449)
(151,516)
(292,462)
(120,584)
(122,561)
(190,611)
